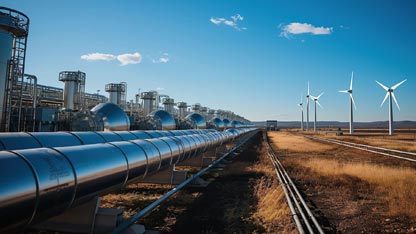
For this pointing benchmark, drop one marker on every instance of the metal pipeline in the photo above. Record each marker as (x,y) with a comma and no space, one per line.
(39,183)
(30,140)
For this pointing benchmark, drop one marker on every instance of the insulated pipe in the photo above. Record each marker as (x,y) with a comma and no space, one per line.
(27,140)
(51,180)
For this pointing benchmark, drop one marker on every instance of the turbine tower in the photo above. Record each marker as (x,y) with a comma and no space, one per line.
(352,102)
(390,94)
(301,110)
(307,109)
(315,99)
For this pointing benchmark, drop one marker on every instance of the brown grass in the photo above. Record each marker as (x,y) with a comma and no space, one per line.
(287,141)
(396,186)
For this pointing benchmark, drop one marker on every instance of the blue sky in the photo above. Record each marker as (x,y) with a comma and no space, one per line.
(252,57)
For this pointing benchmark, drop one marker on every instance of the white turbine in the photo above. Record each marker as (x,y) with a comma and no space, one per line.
(315,99)
(352,102)
(307,108)
(301,110)
(390,94)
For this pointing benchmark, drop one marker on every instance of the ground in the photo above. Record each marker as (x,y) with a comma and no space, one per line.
(354,191)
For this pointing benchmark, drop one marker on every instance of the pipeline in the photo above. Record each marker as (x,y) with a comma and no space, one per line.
(31,140)
(127,223)
(52,180)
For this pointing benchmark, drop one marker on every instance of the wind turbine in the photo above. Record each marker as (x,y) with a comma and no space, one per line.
(315,99)
(307,109)
(301,109)
(352,102)
(390,94)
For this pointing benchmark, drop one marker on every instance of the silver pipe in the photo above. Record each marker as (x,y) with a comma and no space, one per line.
(27,140)
(51,180)
(120,228)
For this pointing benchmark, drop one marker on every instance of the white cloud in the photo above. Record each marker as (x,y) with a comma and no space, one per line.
(301,28)
(237,17)
(160,88)
(98,56)
(126,59)
(164,58)
(232,23)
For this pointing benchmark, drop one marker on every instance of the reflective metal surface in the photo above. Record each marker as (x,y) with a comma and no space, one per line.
(216,123)
(197,121)
(18,140)
(227,123)
(50,180)
(111,116)
(56,139)
(6,44)
(164,120)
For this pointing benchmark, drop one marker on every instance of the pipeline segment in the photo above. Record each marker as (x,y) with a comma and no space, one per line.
(39,183)
(30,140)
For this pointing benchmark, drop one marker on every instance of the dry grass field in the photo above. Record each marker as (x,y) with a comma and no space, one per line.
(355,191)
(402,139)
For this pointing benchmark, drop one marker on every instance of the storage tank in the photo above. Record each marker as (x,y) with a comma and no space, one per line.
(149,101)
(159,120)
(111,117)
(14,29)
(196,121)
(169,103)
(117,93)
(196,108)
(74,89)
(182,109)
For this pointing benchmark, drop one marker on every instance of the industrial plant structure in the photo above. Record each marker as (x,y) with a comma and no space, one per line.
(25,105)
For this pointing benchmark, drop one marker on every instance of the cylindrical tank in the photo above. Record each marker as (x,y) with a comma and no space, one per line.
(72,89)
(227,123)
(111,117)
(116,92)
(216,123)
(196,107)
(163,120)
(13,25)
(169,103)
(211,113)
(182,109)
(149,101)
(197,121)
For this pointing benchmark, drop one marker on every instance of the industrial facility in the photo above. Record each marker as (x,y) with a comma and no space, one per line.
(26,105)
(69,147)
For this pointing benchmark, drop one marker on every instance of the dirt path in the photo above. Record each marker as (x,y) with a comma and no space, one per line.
(356,192)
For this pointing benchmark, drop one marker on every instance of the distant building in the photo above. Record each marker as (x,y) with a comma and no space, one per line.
(271,125)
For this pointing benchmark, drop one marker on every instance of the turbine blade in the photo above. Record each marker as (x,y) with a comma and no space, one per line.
(320,95)
(352,77)
(319,104)
(308,88)
(301,94)
(383,86)
(385,98)
(353,102)
(394,98)
(343,91)
(397,85)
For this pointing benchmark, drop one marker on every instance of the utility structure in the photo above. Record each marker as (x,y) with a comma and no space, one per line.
(301,110)
(307,108)
(74,89)
(117,93)
(390,94)
(315,99)
(182,106)
(352,103)
(149,101)
(14,29)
